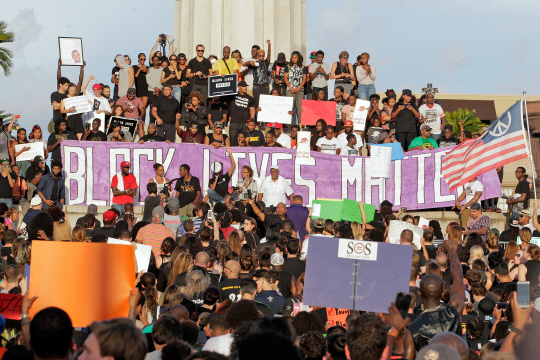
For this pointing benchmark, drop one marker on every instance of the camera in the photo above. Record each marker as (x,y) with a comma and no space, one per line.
(166,189)
(347,81)
(121,133)
(235,188)
(249,193)
(163,39)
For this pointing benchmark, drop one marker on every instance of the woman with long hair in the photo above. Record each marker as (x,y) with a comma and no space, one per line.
(225,224)
(23,256)
(295,78)
(140,70)
(449,227)
(118,111)
(530,270)
(250,232)
(456,234)
(74,121)
(386,114)
(62,231)
(223,250)
(318,132)
(406,115)
(180,265)
(509,253)
(172,76)
(197,283)
(477,252)
(78,235)
(525,236)
(196,112)
(148,284)
(166,268)
(37,136)
(235,240)
(437,231)
(159,178)
(492,242)
(21,140)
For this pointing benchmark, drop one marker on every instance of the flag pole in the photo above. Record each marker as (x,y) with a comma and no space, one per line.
(530,147)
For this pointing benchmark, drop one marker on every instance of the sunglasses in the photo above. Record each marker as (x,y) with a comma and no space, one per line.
(428,130)
(200,50)
(142,59)
(173,59)
(517,255)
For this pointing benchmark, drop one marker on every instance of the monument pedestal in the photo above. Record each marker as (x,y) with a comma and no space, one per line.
(240,24)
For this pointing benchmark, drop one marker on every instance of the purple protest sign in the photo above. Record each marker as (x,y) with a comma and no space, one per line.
(383,270)
(416,182)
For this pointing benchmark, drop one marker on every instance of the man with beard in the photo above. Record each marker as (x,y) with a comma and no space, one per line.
(152,135)
(348,129)
(254,138)
(51,188)
(164,110)
(124,187)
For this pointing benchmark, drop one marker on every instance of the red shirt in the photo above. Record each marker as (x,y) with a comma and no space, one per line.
(129,182)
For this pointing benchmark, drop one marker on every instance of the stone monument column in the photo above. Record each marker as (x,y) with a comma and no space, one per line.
(240,24)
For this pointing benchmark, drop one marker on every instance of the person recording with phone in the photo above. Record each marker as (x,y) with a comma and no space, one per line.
(246,188)
(94,134)
(6,183)
(199,68)
(51,188)
(118,135)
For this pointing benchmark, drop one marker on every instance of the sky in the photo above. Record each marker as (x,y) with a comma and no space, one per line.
(477,47)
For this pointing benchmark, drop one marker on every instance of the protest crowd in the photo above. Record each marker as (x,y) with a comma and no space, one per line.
(227,267)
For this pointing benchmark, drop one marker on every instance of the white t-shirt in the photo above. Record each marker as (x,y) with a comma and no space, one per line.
(248,78)
(432,116)
(284,140)
(275,192)
(342,138)
(319,81)
(347,151)
(471,188)
(103,105)
(220,344)
(328,146)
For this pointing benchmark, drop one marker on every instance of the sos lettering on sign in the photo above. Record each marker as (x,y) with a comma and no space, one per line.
(357,249)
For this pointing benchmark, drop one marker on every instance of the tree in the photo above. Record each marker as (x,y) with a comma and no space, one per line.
(5,54)
(471,122)
(6,119)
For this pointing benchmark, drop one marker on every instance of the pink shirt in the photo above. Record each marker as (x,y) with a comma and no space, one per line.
(136,102)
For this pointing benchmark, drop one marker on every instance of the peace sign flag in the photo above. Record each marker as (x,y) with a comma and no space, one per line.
(503,143)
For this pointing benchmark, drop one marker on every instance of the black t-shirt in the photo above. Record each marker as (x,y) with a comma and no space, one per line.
(6,251)
(222,185)
(422,258)
(256,138)
(264,309)
(203,66)
(476,344)
(172,81)
(106,230)
(432,251)
(240,108)
(54,194)
(53,138)
(405,120)
(230,289)
(339,108)
(294,266)
(5,189)
(187,190)
(270,219)
(166,109)
(444,142)
(279,72)
(152,138)
(56,96)
(216,111)
(81,219)
(252,239)
(523,187)
(32,173)
(99,136)
(260,73)
(150,202)
(501,286)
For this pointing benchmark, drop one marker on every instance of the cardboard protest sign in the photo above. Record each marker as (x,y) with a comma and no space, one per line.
(222,85)
(397,151)
(382,156)
(91,283)
(36,149)
(142,253)
(275,109)
(313,110)
(345,209)
(10,306)
(397,226)
(127,125)
(534,240)
(360,114)
(328,279)
(337,317)
(303,148)
(81,103)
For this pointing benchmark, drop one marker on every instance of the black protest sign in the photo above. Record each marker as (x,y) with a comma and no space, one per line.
(127,125)
(222,85)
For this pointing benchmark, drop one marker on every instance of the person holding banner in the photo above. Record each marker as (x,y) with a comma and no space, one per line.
(21,139)
(219,183)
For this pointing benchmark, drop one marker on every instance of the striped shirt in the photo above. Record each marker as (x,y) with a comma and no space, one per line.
(476,224)
(153,235)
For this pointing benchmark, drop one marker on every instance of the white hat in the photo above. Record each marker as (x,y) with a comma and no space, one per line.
(36,200)
(275,166)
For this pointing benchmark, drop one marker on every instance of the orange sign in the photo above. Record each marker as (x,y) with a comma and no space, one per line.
(90,281)
(337,316)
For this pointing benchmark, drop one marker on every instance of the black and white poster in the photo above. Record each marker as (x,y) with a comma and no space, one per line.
(127,125)
(71,51)
(222,85)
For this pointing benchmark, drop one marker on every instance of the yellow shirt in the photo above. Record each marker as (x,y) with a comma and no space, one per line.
(220,67)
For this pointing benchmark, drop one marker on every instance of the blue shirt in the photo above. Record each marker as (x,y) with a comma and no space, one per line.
(272,299)
(298,214)
(46,185)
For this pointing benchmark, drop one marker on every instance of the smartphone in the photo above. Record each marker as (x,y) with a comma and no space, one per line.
(17,116)
(523,294)
(403,301)
(403,209)
(502,305)
(210,214)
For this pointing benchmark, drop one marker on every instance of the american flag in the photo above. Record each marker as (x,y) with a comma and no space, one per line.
(503,143)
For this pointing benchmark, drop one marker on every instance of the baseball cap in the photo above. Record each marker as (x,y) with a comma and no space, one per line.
(495,231)
(407,92)
(526,213)
(208,319)
(275,125)
(425,127)
(125,163)
(109,215)
(96,87)
(250,120)
(448,127)
(319,223)
(131,91)
(36,200)
(218,124)
(39,159)
(181,55)
(485,307)
(92,209)
(275,166)
(194,125)
(476,206)
(174,204)
(313,55)
(348,123)
(280,58)
(242,83)
(514,220)
(276,259)
(157,215)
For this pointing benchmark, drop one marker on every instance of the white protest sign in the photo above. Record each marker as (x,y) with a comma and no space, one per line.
(396,227)
(423,223)
(81,104)
(360,114)
(275,109)
(381,161)
(357,249)
(316,211)
(36,149)
(303,149)
(534,240)
(142,253)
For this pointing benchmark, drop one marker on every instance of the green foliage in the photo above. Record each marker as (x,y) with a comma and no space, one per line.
(6,119)
(5,55)
(471,122)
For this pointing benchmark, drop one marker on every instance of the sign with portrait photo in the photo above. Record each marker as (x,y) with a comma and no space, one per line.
(71,51)
(222,85)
